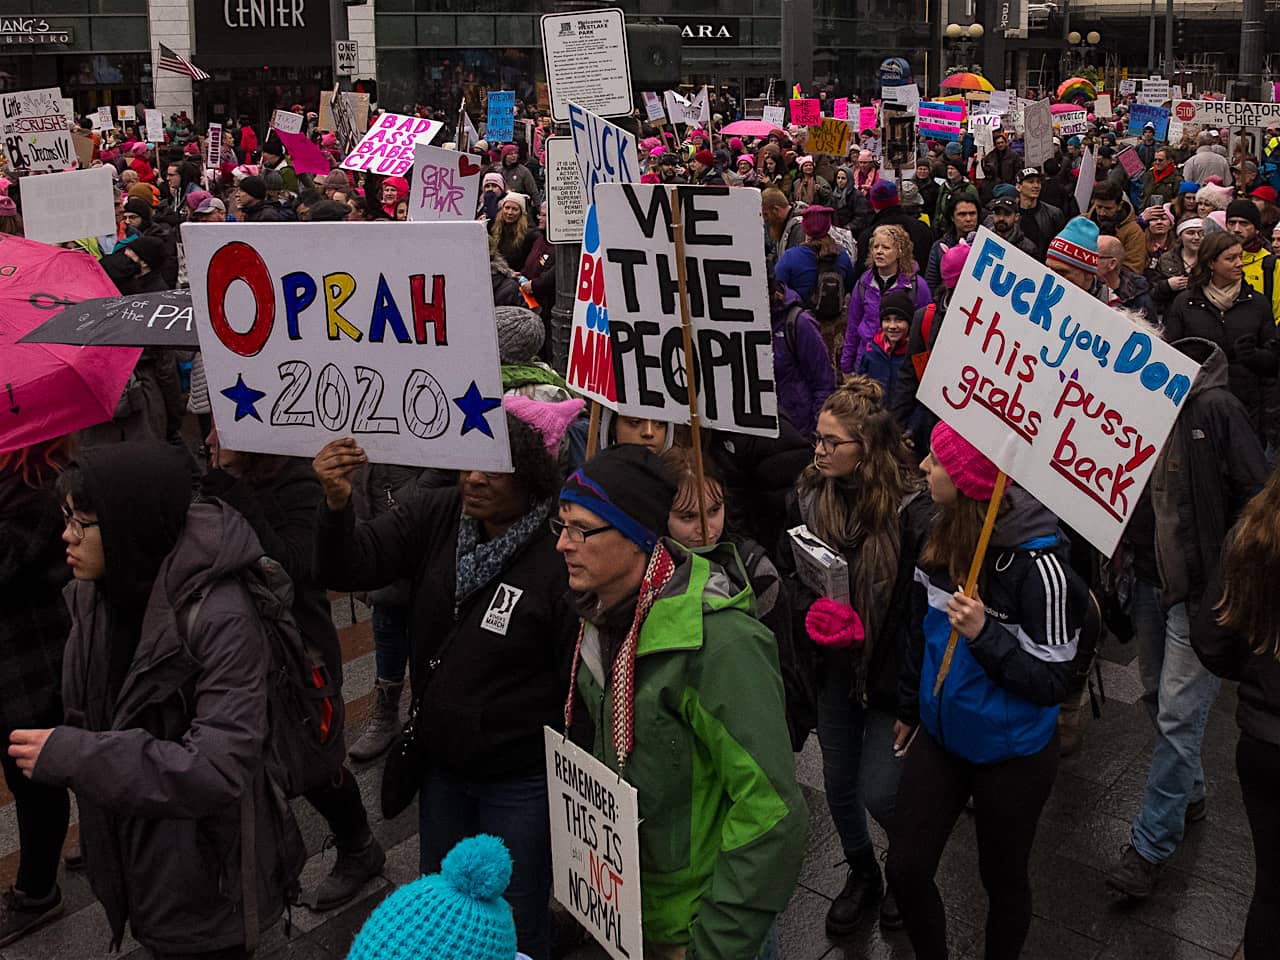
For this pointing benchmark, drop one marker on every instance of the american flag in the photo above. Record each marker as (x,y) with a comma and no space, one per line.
(176,63)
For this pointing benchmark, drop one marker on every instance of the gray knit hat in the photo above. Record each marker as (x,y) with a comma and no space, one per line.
(520,334)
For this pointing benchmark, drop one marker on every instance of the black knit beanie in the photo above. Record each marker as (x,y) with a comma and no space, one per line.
(627,487)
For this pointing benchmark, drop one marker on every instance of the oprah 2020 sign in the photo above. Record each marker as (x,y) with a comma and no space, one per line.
(377,331)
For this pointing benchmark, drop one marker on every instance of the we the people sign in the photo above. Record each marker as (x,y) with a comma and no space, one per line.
(727,297)
(374,331)
(1066,396)
(595,846)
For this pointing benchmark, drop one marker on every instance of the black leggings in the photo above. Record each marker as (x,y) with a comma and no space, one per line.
(43,813)
(1007,800)
(1258,765)
(340,805)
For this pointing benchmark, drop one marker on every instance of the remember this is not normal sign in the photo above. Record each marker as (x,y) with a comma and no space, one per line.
(1065,395)
(368,330)
(595,846)
(727,298)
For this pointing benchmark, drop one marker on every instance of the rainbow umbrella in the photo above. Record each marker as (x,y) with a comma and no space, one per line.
(1077,90)
(967,81)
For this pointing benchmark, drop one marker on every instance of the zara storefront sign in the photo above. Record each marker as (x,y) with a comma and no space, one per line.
(23,31)
(695,31)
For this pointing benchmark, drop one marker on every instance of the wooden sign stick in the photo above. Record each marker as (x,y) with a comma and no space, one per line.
(975,567)
(593,429)
(695,428)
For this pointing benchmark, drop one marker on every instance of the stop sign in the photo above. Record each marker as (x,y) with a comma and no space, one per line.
(1185,111)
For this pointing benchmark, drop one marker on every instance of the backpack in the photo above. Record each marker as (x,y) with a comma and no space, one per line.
(827,298)
(305,711)
(790,330)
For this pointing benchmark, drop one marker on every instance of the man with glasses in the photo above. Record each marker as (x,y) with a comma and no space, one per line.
(684,688)
(1125,288)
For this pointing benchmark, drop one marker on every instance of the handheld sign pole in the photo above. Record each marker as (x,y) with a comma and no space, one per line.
(593,429)
(461,133)
(971,582)
(690,378)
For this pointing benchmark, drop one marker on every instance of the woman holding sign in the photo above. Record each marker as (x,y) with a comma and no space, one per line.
(990,731)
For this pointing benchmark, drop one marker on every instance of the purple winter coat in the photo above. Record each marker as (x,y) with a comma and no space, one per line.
(804,379)
(864,313)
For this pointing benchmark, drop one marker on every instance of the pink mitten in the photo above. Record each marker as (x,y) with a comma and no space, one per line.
(832,624)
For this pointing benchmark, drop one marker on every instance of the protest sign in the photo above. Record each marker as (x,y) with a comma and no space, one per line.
(1140,114)
(840,108)
(500,123)
(585,55)
(1175,92)
(566,206)
(999,102)
(1102,107)
(1072,122)
(387,149)
(1175,132)
(360,330)
(103,119)
(126,111)
(287,121)
(868,118)
(68,206)
(213,146)
(1037,132)
(1130,162)
(653,107)
(357,106)
(941,121)
(595,846)
(1127,87)
(1066,396)
(1227,113)
(1155,91)
(679,109)
(305,156)
(775,115)
(37,136)
(983,127)
(806,112)
(831,138)
(446,184)
(899,139)
(700,104)
(727,301)
(605,153)
(1087,179)
(155,126)
(83,146)
(905,97)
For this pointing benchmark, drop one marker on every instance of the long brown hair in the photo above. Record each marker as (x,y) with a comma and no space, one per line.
(1248,603)
(508,238)
(955,536)
(1211,248)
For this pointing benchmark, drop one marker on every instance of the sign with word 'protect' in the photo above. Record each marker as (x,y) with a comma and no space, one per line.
(1063,394)
(445,184)
(595,846)
(367,330)
(387,149)
(727,301)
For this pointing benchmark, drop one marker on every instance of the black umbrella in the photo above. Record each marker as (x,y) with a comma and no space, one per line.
(162,319)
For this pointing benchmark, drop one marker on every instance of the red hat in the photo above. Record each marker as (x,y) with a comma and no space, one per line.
(1265,193)
(884,194)
(510,150)
(705,157)
(972,473)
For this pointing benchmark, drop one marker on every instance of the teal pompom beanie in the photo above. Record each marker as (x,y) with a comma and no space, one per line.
(456,914)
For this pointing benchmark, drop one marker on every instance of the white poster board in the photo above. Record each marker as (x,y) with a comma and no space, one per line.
(653,107)
(1227,113)
(1065,395)
(595,846)
(155,126)
(1155,91)
(68,206)
(905,97)
(727,297)
(287,121)
(387,149)
(999,102)
(586,62)
(126,111)
(445,184)
(37,134)
(775,115)
(375,331)
(1102,107)
(566,206)
(606,153)
(103,118)
(1037,132)
(1072,122)
(1127,87)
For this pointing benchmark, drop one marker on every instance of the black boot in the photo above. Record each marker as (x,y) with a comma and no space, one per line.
(862,891)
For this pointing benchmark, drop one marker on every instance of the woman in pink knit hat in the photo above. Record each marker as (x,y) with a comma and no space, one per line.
(987,729)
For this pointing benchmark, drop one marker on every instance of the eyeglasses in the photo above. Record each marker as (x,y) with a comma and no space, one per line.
(830,444)
(76,525)
(575,534)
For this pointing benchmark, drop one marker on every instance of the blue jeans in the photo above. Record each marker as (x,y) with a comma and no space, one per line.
(859,771)
(390,640)
(1178,692)
(516,812)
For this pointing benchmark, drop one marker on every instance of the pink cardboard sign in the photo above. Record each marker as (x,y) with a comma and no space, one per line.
(806,112)
(841,109)
(1131,162)
(867,119)
(305,155)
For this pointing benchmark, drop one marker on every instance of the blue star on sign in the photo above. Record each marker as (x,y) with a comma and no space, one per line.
(244,397)
(474,407)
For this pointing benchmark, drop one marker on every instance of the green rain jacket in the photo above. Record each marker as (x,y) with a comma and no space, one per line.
(723,821)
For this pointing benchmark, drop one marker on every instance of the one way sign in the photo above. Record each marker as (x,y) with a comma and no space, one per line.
(346,57)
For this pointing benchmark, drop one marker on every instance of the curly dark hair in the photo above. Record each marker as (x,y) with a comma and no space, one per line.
(535,469)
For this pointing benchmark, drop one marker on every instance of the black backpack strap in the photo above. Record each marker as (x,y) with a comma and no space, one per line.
(1269,278)
(790,330)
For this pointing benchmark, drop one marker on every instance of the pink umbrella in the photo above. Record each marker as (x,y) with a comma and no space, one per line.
(750,128)
(48,389)
(1064,107)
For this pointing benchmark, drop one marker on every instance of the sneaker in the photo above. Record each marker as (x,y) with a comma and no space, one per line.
(1134,876)
(22,914)
(383,725)
(1197,810)
(863,888)
(351,871)
(890,918)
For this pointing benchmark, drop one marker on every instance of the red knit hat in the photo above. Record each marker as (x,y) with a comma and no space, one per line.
(972,473)
(705,157)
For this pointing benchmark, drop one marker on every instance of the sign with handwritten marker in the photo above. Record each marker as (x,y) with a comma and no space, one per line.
(445,184)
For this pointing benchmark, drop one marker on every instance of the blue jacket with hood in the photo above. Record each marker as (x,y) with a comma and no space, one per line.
(1001,697)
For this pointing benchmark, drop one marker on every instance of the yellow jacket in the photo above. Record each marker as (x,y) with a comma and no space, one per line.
(1253,276)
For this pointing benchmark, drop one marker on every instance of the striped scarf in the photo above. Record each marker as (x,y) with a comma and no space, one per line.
(622,683)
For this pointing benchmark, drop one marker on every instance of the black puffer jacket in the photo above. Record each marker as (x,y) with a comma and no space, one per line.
(1192,315)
